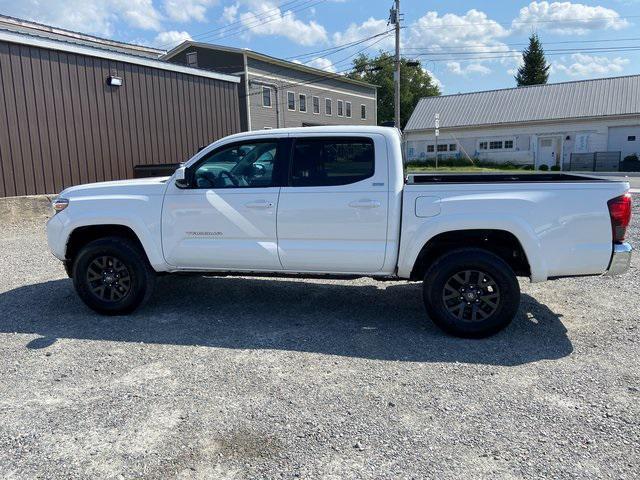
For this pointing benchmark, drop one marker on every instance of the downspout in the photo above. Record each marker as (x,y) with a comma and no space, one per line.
(277,95)
(246,91)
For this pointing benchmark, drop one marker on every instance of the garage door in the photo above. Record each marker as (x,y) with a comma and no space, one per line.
(625,140)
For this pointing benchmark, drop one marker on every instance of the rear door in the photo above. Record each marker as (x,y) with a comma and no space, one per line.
(332,215)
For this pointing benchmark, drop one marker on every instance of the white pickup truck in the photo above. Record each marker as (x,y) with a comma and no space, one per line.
(335,201)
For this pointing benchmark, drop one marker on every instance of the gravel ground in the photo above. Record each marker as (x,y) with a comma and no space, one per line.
(252,378)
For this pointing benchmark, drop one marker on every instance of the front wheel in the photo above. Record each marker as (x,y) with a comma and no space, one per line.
(112,276)
(471,293)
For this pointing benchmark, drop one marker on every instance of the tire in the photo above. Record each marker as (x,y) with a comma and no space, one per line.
(471,293)
(121,268)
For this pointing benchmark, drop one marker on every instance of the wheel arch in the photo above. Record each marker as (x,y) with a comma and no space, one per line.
(502,243)
(81,236)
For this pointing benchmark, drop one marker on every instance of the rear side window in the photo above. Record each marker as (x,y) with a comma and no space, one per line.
(331,161)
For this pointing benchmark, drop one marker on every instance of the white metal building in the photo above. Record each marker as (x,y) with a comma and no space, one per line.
(542,124)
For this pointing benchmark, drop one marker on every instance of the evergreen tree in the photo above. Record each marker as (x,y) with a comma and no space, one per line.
(535,70)
(415,83)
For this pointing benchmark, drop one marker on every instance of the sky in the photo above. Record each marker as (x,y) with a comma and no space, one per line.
(465,45)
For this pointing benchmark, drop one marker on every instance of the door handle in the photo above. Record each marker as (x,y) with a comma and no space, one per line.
(365,203)
(259,204)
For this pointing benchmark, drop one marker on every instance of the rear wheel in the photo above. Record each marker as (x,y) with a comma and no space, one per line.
(112,276)
(471,293)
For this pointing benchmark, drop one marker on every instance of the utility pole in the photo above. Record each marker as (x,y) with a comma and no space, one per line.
(394,18)
(437,134)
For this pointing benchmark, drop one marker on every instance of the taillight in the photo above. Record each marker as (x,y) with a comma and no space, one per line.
(620,213)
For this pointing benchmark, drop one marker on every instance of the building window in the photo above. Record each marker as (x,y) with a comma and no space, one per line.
(508,144)
(483,145)
(340,107)
(442,148)
(495,145)
(363,112)
(192,59)
(348,109)
(303,102)
(266,97)
(291,100)
(430,148)
(631,138)
(327,106)
(316,105)
(453,147)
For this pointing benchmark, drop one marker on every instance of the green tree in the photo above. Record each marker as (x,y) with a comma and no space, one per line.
(415,83)
(535,69)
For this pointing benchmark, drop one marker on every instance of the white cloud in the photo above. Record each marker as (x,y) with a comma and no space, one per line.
(171,38)
(87,16)
(230,13)
(473,31)
(264,18)
(323,64)
(567,18)
(581,65)
(436,81)
(368,28)
(186,10)
(471,69)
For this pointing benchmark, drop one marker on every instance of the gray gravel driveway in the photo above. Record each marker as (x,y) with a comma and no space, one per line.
(237,378)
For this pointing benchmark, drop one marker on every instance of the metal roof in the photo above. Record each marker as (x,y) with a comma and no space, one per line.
(265,58)
(29,27)
(558,101)
(72,47)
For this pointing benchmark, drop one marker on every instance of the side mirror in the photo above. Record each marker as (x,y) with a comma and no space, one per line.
(181,178)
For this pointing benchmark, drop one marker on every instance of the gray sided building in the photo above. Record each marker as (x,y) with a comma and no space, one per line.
(77,109)
(276,93)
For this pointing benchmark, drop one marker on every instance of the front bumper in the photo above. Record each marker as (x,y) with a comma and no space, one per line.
(620,260)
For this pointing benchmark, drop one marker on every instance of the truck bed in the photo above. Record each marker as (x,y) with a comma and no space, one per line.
(450,178)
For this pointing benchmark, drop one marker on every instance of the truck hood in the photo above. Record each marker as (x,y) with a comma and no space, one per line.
(140,186)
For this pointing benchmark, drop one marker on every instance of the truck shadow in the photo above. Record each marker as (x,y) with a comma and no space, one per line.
(353,319)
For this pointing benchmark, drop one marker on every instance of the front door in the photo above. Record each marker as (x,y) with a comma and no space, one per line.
(333,215)
(226,218)
(548,151)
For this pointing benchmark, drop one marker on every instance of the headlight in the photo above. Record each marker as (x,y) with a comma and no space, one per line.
(60,204)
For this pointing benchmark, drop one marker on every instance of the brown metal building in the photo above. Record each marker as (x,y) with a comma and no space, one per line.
(62,124)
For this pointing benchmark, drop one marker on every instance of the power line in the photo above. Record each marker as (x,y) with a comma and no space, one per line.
(547,51)
(338,48)
(518,54)
(515,44)
(534,22)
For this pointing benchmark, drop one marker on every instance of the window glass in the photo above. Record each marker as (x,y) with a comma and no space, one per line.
(348,109)
(291,100)
(266,97)
(340,113)
(495,145)
(483,145)
(327,106)
(363,112)
(453,147)
(237,166)
(430,148)
(631,138)
(316,105)
(442,148)
(508,144)
(303,103)
(331,161)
